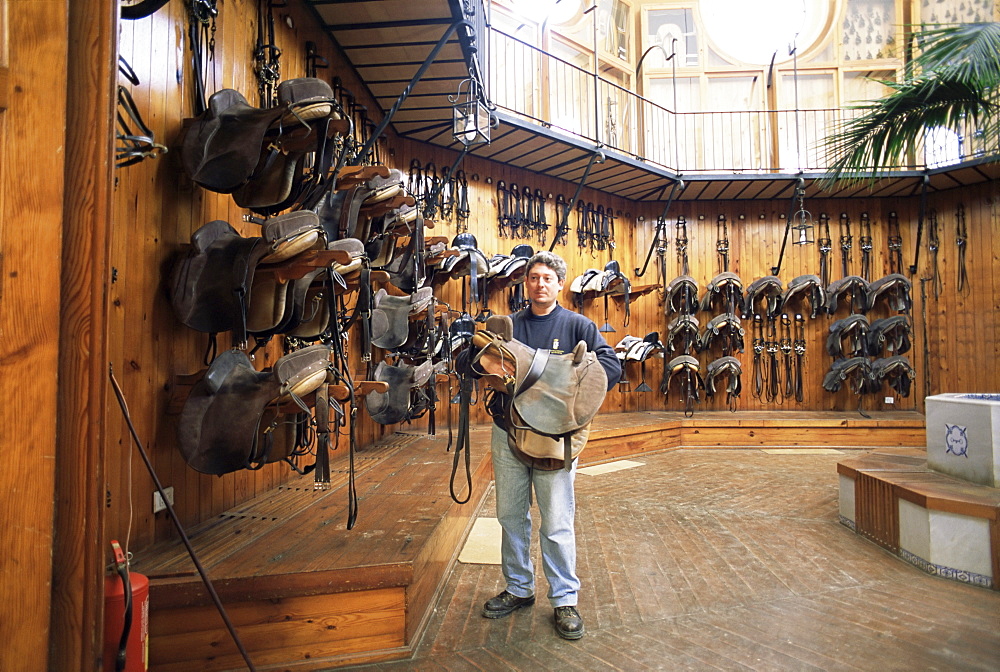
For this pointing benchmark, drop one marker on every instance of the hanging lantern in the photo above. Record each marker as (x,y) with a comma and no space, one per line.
(471,118)
(802,224)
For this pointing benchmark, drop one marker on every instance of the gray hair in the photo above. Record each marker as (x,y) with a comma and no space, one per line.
(550,259)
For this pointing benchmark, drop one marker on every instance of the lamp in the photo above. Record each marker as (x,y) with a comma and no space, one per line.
(471,118)
(802,221)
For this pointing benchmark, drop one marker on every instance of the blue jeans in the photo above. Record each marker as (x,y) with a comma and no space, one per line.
(557,505)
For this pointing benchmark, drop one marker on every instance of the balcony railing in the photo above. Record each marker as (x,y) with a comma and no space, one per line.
(542,88)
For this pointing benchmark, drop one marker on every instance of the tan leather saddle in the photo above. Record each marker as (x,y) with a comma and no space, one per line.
(552,398)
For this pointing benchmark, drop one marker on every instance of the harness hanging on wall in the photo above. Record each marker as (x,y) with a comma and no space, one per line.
(865,243)
(962,241)
(933,245)
(895,242)
(799,346)
(825,246)
(541,226)
(461,202)
(681,241)
(266,55)
(759,345)
(201,34)
(722,243)
(562,221)
(846,243)
(786,346)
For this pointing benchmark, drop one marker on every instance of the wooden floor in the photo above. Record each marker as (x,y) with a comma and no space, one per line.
(711,559)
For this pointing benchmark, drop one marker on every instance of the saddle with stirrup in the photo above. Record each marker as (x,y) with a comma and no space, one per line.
(551,399)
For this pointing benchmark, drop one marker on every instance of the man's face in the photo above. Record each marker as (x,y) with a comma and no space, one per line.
(543,286)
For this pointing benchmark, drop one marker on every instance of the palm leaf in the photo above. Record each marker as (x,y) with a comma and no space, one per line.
(956,86)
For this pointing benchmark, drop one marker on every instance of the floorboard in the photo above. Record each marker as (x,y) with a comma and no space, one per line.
(720,560)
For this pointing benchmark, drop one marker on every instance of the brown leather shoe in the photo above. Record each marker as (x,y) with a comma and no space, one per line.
(569,625)
(505,603)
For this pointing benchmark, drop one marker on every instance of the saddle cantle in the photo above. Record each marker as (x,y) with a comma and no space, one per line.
(855,329)
(552,398)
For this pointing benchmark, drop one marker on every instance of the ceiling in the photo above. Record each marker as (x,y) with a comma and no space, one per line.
(388,42)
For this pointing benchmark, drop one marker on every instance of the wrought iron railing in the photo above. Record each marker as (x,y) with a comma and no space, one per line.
(534,85)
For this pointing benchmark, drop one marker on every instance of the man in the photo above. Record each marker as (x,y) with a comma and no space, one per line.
(544,324)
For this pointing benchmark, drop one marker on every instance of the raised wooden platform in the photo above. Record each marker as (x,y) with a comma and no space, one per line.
(305,593)
(627,434)
(939,523)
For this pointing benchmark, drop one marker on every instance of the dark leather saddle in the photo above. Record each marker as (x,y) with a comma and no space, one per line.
(896,371)
(233,144)
(854,330)
(731,369)
(686,370)
(220,428)
(893,290)
(465,259)
(725,289)
(855,370)
(392,325)
(853,285)
(801,288)
(725,329)
(683,334)
(763,297)
(890,335)
(681,296)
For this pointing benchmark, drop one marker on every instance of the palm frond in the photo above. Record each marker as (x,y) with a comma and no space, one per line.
(956,86)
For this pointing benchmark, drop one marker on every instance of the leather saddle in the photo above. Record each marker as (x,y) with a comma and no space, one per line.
(724,367)
(406,397)
(220,425)
(552,398)
(211,285)
(895,370)
(467,260)
(857,370)
(854,285)
(726,287)
(853,328)
(801,287)
(889,334)
(894,289)
(687,370)
(763,297)
(682,334)
(725,328)
(391,323)
(232,142)
(681,296)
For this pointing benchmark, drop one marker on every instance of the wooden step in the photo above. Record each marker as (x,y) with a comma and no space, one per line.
(301,589)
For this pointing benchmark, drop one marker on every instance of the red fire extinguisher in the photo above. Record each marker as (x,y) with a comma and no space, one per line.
(126,618)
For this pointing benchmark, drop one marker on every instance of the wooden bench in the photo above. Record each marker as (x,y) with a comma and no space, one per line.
(939,523)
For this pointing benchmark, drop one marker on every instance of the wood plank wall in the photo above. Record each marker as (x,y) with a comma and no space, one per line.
(157,209)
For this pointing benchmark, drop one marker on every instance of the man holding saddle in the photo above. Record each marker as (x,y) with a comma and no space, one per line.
(553,330)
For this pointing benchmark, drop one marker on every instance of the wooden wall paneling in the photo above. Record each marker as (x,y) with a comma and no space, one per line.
(79,549)
(31,197)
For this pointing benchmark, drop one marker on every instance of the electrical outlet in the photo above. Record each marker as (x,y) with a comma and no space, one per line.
(890,400)
(158,504)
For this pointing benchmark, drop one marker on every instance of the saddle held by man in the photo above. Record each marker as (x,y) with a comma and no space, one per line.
(553,398)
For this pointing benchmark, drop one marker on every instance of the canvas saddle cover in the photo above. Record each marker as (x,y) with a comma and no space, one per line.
(553,397)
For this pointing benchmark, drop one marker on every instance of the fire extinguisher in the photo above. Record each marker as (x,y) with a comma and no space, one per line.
(126,618)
